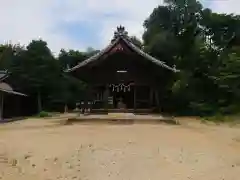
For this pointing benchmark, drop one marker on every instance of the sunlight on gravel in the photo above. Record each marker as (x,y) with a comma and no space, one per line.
(42,150)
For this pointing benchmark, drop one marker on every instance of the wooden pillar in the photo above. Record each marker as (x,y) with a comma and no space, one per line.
(86,99)
(157,99)
(151,97)
(106,95)
(98,96)
(134,98)
(91,98)
(1,106)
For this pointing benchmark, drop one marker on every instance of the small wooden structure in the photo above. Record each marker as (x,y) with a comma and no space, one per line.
(122,76)
(5,88)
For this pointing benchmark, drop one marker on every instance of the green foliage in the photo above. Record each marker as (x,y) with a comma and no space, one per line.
(44,114)
(36,72)
(71,58)
(221,118)
(204,47)
(136,42)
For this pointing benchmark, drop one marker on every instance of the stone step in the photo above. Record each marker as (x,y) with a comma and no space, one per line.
(121,120)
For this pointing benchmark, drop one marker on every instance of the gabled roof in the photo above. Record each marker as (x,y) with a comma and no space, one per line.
(3,75)
(119,35)
(6,88)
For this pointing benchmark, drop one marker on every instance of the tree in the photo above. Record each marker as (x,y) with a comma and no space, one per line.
(91,51)
(136,42)
(198,41)
(228,80)
(37,70)
(70,58)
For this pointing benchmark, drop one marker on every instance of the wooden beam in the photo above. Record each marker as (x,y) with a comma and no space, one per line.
(134,97)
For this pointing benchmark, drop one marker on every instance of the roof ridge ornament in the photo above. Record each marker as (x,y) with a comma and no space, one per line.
(120,32)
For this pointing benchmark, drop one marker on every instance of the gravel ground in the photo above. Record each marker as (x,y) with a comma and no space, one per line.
(42,150)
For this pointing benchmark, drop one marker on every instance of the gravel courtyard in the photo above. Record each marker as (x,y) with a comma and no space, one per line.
(37,149)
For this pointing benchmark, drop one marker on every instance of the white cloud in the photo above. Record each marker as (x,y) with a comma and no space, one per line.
(25,20)
(130,14)
(22,21)
(225,6)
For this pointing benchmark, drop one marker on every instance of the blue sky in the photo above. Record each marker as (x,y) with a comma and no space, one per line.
(78,24)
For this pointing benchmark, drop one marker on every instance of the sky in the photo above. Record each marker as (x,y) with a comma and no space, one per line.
(79,24)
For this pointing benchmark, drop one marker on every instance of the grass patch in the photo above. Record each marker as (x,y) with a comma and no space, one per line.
(203,121)
(43,114)
(219,119)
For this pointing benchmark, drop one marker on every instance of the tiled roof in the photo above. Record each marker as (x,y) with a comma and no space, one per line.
(6,88)
(119,35)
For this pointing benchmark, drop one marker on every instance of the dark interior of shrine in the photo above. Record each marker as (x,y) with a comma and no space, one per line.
(127,97)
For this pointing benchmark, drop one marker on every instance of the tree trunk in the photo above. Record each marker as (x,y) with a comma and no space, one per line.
(39,102)
(65,108)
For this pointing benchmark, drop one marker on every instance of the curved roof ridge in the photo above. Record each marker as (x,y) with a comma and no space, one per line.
(148,56)
(122,34)
(94,57)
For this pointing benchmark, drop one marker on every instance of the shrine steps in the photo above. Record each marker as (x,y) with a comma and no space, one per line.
(121,118)
(135,111)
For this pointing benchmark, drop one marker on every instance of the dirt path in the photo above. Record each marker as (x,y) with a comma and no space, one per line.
(41,150)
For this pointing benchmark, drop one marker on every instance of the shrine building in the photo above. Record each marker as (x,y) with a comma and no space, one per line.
(122,76)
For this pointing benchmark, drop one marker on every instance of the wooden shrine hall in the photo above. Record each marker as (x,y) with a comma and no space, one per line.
(5,89)
(122,76)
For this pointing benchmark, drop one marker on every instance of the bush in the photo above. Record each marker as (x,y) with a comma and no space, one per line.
(220,118)
(44,114)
